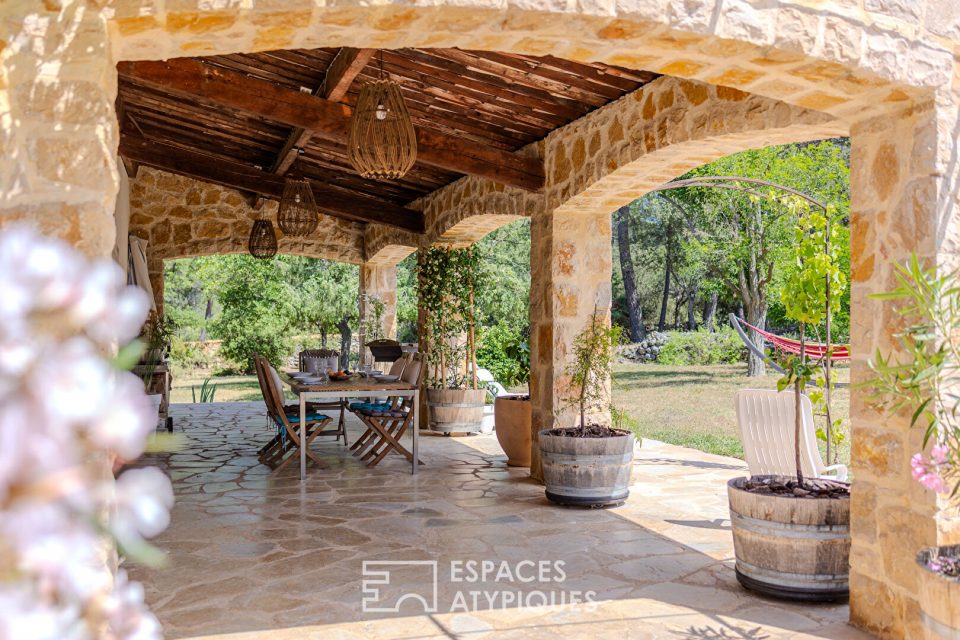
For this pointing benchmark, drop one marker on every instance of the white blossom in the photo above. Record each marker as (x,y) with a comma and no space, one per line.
(65,415)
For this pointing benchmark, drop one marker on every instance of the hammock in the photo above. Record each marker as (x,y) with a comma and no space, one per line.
(816,350)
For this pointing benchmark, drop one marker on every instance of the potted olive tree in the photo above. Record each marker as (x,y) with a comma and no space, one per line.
(513,412)
(447,283)
(922,380)
(588,465)
(792,534)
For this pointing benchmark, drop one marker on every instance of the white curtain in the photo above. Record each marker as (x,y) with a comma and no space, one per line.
(121,215)
(137,273)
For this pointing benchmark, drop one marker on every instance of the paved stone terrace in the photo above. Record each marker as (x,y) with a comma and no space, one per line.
(259,555)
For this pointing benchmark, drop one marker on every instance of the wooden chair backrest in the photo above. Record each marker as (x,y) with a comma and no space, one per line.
(264,391)
(275,403)
(398,366)
(411,373)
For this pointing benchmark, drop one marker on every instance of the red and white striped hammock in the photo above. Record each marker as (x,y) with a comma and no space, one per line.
(815,350)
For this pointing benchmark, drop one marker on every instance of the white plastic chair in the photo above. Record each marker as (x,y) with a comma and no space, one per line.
(765,419)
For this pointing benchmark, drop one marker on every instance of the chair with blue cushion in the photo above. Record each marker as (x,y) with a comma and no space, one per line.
(387,424)
(286,445)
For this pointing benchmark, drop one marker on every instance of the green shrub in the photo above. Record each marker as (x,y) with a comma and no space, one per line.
(503,350)
(702,347)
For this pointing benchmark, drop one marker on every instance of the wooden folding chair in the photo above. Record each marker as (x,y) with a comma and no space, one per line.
(288,425)
(389,425)
(396,369)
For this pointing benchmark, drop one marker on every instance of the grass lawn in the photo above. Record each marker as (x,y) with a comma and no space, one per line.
(692,406)
(229,388)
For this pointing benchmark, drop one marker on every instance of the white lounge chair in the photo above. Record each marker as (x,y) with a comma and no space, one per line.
(765,419)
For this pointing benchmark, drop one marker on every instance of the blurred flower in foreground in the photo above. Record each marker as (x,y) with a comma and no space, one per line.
(67,417)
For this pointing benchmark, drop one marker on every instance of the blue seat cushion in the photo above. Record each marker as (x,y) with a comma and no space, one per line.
(311,417)
(370,406)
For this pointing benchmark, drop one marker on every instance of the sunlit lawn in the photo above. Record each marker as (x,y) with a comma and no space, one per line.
(692,406)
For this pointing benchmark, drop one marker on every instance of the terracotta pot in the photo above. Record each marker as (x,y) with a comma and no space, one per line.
(512,424)
(587,472)
(939,597)
(793,548)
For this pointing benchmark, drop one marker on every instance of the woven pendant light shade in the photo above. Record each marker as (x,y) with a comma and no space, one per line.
(297,215)
(263,240)
(383,142)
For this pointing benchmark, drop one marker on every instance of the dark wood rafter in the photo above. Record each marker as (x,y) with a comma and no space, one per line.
(331,200)
(345,66)
(325,119)
(241,118)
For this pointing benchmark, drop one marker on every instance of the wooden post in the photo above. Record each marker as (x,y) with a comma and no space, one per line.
(828,362)
(472,339)
(798,417)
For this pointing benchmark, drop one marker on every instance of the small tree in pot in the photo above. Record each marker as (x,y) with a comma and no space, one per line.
(447,283)
(588,465)
(923,381)
(792,534)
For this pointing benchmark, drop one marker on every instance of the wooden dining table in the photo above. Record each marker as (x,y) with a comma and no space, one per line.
(355,387)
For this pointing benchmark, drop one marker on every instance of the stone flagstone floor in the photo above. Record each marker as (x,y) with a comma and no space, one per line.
(260,555)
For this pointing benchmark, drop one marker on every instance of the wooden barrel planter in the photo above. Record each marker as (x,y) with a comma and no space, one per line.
(795,548)
(456,410)
(939,597)
(586,472)
(512,423)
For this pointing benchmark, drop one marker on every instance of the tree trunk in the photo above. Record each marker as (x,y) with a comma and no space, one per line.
(206,316)
(323,336)
(676,311)
(709,311)
(757,317)
(345,337)
(635,311)
(661,325)
(691,308)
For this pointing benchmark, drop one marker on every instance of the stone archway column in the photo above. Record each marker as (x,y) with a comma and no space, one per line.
(58,131)
(380,281)
(570,262)
(903,186)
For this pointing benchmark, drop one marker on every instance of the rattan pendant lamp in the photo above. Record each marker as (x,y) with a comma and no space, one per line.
(297,215)
(263,240)
(383,142)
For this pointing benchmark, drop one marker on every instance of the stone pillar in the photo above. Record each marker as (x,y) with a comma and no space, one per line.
(902,200)
(570,262)
(380,281)
(58,132)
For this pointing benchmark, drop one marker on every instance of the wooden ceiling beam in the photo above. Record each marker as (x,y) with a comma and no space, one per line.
(331,200)
(326,119)
(343,69)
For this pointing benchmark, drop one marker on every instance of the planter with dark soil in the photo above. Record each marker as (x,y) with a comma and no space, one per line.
(512,425)
(587,466)
(940,591)
(791,542)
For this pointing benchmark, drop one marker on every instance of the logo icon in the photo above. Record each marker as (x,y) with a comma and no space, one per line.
(377,574)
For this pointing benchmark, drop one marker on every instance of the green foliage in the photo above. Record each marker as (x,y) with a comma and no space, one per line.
(373,323)
(207,391)
(592,359)
(322,293)
(188,354)
(702,347)
(257,311)
(448,281)
(157,331)
(922,381)
(504,351)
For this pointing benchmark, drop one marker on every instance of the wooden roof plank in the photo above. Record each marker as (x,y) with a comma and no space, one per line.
(328,119)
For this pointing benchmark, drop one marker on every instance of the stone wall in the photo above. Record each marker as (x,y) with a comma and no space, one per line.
(886,68)
(181,218)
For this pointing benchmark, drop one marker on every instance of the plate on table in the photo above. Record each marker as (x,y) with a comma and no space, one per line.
(311,380)
(300,375)
(383,378)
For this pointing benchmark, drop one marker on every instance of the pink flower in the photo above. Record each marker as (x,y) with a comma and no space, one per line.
(929,472)
(939,453)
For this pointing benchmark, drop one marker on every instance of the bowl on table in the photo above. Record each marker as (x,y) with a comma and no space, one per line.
(339,376)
